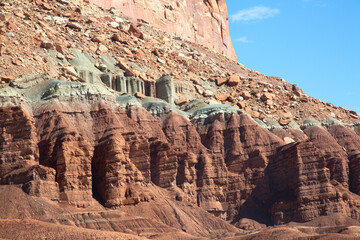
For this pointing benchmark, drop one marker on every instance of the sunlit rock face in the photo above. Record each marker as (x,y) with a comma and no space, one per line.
(200,21)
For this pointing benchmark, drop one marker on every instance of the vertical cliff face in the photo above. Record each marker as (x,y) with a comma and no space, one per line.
(219,160)
(74,151)
(200,21)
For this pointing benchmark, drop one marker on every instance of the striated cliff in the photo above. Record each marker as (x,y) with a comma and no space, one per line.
(200,21)
(219,161)
(116,130)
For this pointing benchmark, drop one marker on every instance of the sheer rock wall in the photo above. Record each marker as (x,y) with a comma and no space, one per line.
(200,21)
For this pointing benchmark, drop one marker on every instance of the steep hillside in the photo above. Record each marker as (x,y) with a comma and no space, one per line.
(201,21)
(110,125)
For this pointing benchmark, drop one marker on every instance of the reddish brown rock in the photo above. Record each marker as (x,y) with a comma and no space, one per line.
(231,99)
(245,147)
(47,45)
(92,20)
(60,48)
(140,95)
(135,31)
(122,64)
(187,145)
(336,158)
(20,156)
(195,165)
(65,150)
(46,6)
(269,102)
(266,96)
(222,97)
(17,62)
(350,144)
(254,114)
(156,52)
(302,183)
(126,149)
(194,78)
(246,95)
(234,80)
(117,37)
(220,81)
(294,134)
(102,49)
(297,91)
(165,173)
(181,101)
(74,25)
(323,171)
(241,105)
(353,112)
(18,139)
(7,78)
(209,26)
(11,26)
(99,38)
(304,99)
(284,121)
(38,181)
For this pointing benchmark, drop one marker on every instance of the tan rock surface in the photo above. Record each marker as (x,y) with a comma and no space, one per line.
(28,229)
(201,20)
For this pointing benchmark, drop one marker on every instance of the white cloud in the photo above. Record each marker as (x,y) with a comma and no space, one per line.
(242,39)
(254,13)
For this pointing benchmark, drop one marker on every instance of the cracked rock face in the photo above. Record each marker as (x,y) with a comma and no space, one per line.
(77,143)
(236,147)
(202,22)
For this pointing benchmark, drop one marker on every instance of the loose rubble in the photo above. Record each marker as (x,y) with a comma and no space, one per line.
(144,53)
(107,123)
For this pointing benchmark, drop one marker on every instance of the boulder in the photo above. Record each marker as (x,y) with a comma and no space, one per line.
(246,95)
(220,81)
(134,30)
(140,95)
(233,80)
(222,96)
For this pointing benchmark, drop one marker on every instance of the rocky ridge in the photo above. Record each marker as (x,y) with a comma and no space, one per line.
(247,148)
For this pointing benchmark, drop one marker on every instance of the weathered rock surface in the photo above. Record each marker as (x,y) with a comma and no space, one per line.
(9,229)
(220,161)
(203,22)
(75,151)
(302,185)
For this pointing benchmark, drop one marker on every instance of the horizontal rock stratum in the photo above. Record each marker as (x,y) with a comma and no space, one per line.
(112,129)
(85,146)
(201,21)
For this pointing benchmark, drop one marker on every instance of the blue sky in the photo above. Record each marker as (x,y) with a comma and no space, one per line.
(312,43)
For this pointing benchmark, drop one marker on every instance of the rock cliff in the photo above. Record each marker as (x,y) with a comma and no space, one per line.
(218,159)
(203,22)
(87,141)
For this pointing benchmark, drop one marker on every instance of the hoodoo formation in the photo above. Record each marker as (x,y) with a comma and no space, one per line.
(114,127)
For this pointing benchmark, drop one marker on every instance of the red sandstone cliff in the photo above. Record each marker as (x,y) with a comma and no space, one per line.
(223,163)
(200,21)
(76,152)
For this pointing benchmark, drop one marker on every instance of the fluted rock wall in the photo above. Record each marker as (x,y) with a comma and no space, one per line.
(18,139)
(204,22)
(19,155)
(83,147)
